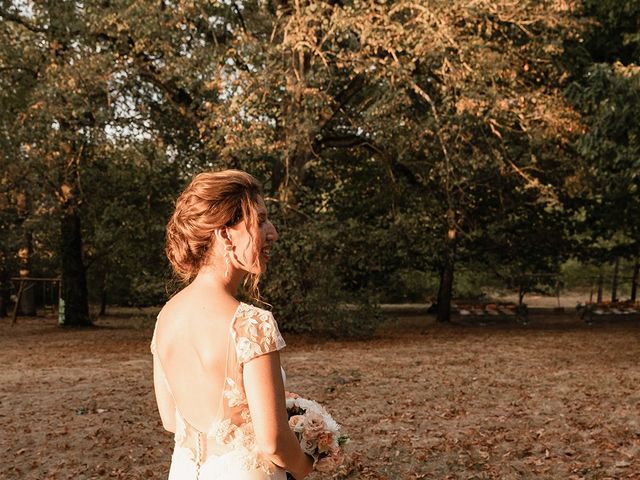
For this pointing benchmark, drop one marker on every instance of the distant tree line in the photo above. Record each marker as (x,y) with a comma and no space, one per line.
(399,143)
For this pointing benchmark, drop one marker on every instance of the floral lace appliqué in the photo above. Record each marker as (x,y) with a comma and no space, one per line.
(223,433)
(256,333)
(234,395)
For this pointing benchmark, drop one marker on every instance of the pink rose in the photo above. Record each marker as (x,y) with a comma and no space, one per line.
(337,455)
(313,426)
(326,464)
(291,395)
(308,446)
(325,442)
(295,420)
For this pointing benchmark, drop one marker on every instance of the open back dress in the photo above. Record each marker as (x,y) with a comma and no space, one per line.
(227,449)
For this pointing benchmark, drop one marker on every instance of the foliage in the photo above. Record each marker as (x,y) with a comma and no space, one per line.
(607,202)
(615,35)
(306,291)
(398,141)
(604,195)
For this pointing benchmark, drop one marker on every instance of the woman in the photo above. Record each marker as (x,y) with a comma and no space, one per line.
(217,375)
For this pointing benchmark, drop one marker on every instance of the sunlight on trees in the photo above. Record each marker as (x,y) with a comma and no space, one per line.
(398,142)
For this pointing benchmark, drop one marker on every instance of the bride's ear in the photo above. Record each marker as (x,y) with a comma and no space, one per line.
(222,236)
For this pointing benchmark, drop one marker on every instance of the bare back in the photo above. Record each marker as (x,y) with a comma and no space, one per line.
(193,345)
(201,344)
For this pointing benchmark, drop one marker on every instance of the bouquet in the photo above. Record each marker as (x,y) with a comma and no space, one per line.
(318,433)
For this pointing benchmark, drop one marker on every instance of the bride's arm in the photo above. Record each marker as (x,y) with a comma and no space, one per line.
(166,406)
(265,393)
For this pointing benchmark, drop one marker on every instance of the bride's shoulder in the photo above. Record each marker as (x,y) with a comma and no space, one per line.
(177,297)
(250,309)
(175,305)
(249,314)
(198,302)
(256,332)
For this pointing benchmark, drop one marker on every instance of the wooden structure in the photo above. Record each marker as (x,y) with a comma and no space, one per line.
(590,310)
(486,310)
(25,283)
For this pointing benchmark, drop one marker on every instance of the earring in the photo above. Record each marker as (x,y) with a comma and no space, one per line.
(227,259)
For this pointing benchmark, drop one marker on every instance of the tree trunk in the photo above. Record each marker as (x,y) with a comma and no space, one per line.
(103,296)
(614,281)
(521,293)
(28,298)
(103,303)
(4,286)
(634,280)
(74,304)
(74,277)
(445,293)
(445,290)
(600,282)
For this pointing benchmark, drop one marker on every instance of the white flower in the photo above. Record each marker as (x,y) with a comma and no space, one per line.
(322,428)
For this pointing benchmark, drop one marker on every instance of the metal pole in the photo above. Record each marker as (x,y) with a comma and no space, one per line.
(15,308)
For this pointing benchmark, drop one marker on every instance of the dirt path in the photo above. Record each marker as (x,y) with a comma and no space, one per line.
(554,400)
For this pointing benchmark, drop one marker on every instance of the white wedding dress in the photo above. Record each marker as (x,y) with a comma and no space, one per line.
(227,450)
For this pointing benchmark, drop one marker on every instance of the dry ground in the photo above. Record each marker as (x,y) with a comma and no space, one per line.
(553,400)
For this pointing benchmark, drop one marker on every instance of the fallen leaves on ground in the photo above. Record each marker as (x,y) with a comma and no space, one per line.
(553,400)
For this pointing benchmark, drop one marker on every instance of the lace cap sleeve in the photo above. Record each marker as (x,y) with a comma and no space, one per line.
(256,333)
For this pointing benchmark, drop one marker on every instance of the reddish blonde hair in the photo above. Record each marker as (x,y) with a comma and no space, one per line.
(212,200)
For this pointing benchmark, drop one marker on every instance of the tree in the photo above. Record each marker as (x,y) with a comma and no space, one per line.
(478,103)
(370,138)
(604,194)
(84,81)
(63,117)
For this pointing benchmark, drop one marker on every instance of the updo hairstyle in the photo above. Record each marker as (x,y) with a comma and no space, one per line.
(213,200)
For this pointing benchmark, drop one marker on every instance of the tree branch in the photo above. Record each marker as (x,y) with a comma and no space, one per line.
(349,141)
(21,21)
(240,17)
(344,97)
(179,98)
(20,67)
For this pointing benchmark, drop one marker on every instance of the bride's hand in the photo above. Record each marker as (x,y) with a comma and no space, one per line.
(306,470)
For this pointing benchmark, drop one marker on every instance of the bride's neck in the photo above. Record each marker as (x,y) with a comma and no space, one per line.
(214,278)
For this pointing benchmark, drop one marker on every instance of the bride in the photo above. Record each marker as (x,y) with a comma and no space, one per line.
(216,367)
